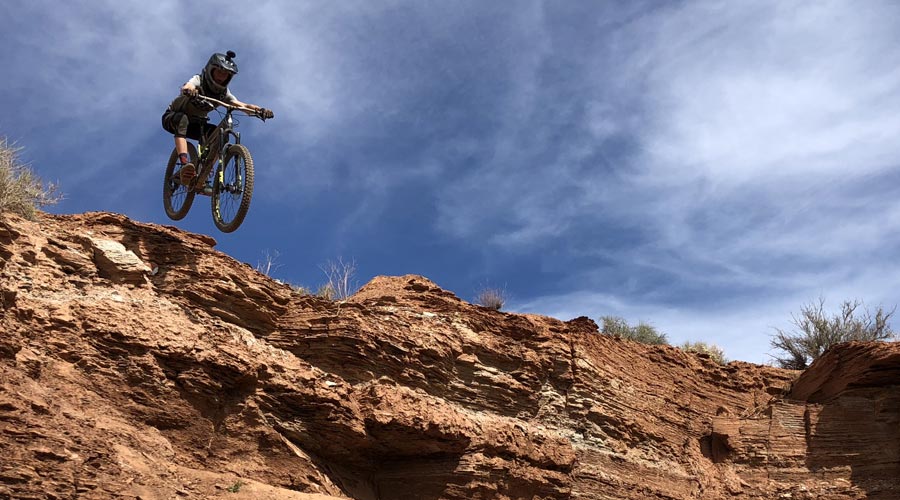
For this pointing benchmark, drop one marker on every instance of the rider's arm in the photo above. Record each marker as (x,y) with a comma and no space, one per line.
(238,103)
(234,101)
(258,110)
(193,83)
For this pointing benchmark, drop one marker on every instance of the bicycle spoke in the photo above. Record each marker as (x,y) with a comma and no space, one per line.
(230,193)
(233,189)
(177,199)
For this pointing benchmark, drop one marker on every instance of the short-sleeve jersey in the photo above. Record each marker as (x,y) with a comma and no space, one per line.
(198,109)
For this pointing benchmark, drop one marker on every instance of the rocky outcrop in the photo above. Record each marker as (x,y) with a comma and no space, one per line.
(138,362)
(836,434)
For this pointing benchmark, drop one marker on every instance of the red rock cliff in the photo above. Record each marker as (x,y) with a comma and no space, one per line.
(138,362)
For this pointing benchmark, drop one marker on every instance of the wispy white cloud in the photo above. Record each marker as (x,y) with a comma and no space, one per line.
(732,146)
(377,97)
(89,79)
(101,58)
(767,91)
(766,119)
(731,99)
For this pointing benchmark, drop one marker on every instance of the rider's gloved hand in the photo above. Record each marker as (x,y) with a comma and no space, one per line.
(190,91)
(265,114)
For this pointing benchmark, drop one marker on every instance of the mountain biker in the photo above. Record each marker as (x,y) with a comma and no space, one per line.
(186,117)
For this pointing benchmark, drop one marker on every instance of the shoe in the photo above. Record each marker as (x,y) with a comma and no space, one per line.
(207,189)
(186,174)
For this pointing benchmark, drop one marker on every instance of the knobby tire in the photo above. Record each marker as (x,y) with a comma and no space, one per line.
(177,199)
(233,185)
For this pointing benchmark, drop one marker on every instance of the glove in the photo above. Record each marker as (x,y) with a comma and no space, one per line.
(265,114)
(190,91)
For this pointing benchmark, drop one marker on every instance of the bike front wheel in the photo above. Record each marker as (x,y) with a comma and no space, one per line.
(177,198)
(232,188)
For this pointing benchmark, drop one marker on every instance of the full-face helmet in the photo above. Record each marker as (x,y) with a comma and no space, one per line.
(223,62)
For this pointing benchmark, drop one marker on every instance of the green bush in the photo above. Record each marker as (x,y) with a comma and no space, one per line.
(21,191)
(643,332)
(715,352)
(815,332)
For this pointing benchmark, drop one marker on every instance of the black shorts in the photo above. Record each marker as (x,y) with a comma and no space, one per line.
(181,125)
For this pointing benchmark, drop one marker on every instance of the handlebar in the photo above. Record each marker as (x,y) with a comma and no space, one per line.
(250,112)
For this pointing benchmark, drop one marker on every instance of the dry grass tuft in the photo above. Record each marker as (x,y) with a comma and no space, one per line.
(21,191)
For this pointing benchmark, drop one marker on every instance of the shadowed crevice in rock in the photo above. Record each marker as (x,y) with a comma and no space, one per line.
(715,447)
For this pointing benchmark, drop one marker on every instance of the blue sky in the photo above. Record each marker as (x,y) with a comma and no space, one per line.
(707,167)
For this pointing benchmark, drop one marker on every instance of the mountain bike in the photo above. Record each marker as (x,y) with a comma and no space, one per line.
(225,172)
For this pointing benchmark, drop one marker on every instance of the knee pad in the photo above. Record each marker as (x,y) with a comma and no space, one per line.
(176,123)
(181,122)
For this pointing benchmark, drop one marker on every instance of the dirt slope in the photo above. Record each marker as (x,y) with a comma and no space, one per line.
(138,362)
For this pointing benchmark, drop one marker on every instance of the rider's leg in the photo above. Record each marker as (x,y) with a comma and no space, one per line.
(181,145)
(177,124)
(188,170)
(181,149)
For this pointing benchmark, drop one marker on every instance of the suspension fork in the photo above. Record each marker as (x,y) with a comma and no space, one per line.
(223,133)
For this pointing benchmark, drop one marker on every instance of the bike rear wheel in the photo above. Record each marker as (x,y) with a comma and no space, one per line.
(177,199)
(232,188)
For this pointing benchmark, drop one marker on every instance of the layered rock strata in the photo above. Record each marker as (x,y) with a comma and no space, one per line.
(138,362)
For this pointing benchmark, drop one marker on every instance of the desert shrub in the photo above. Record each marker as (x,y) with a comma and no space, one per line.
(615,326)
(715,352)
(340,282)
(814,332)
(643,332)
(21,191)
(493,298)
(326,291)
(269,262)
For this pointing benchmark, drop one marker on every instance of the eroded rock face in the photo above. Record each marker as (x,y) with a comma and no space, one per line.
(836,434)
(136,360)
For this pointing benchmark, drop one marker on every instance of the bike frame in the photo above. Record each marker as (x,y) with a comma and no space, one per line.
(219,137)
